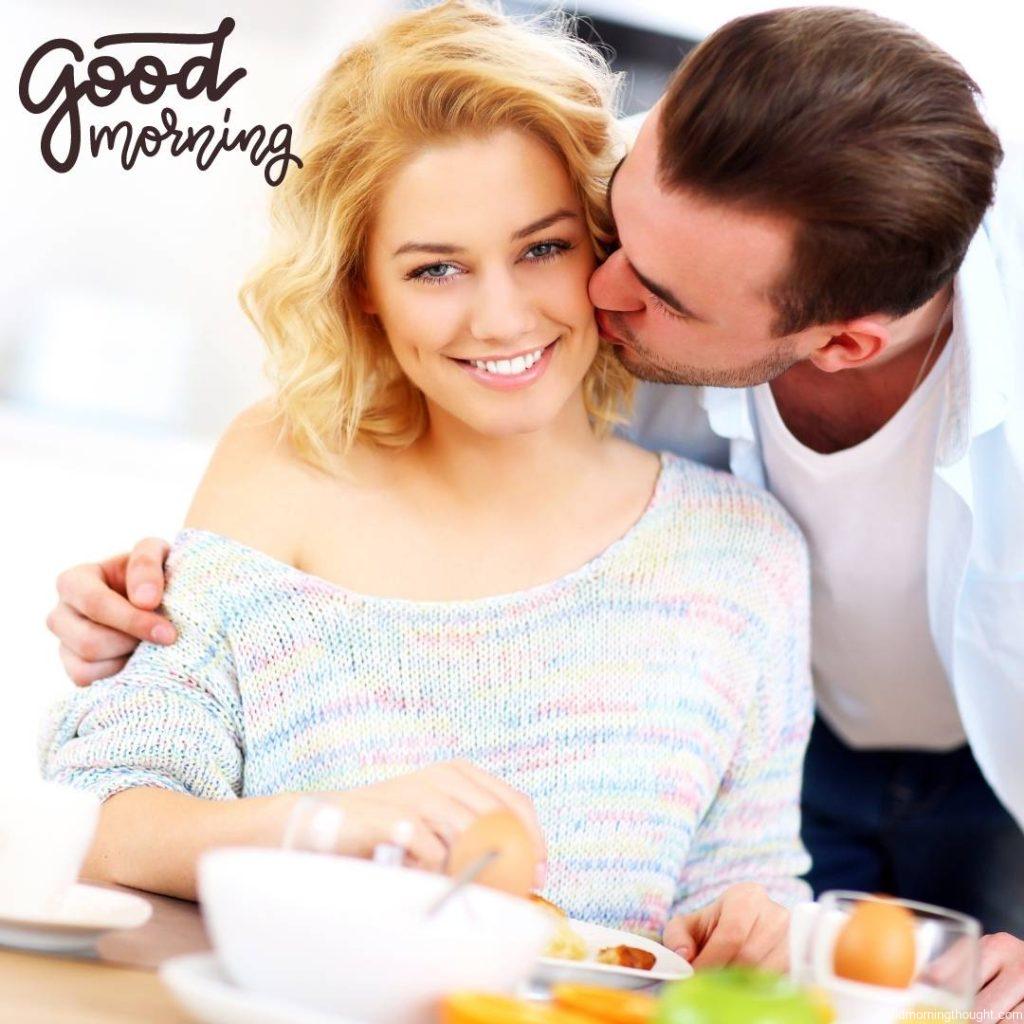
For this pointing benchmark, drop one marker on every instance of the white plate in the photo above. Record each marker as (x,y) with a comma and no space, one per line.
(199,984)
(81,917)
(668,966)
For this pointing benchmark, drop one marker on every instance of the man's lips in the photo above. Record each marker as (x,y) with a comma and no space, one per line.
(604,331)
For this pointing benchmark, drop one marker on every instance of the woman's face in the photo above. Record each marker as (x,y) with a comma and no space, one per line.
(477,268)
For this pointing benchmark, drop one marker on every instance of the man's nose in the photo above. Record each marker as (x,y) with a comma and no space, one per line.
(503,311)
(614,287)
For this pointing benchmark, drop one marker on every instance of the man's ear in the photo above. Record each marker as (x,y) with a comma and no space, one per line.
(851,345)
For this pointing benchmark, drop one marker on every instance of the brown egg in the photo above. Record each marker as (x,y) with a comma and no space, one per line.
(515,868)
(877,945)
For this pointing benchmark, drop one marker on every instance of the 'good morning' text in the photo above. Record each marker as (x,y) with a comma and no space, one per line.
(147,81)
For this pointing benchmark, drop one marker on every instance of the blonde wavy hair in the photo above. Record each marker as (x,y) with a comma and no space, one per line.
(453,69)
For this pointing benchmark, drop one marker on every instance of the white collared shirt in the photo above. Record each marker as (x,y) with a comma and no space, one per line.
(975,518)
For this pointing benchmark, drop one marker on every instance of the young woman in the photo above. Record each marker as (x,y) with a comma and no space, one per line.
(426,580)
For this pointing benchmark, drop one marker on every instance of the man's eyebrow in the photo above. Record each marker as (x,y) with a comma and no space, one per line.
(664,294)
(446,249)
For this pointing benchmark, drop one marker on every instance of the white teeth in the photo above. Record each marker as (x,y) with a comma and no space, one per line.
(508,367)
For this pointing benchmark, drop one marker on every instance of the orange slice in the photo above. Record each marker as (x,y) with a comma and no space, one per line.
(608,1005)
(485,1008)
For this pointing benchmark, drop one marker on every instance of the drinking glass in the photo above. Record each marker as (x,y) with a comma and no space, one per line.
(945,971)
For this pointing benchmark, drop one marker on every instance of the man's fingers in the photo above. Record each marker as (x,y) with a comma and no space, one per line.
(144,576)
(84,589)
(89,640)
(999,996)
(85,673)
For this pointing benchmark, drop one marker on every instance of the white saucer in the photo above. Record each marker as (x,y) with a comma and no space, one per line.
(668,966)
(200,986)
(81,917)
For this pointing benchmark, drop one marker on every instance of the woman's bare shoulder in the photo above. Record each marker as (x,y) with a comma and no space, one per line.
(256,486)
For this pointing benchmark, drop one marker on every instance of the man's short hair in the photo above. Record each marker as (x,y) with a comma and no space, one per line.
(864,133)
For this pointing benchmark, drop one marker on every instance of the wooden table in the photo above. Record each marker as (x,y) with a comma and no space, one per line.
(116,985)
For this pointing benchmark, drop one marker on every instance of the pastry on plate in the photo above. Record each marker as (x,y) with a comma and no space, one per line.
(627,956)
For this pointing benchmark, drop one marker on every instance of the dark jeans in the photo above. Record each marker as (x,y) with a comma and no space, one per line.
(924,826)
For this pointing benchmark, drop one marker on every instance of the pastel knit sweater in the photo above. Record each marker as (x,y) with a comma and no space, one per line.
(655,703)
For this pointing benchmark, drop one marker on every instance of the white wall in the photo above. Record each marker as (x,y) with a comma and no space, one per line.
(122,348)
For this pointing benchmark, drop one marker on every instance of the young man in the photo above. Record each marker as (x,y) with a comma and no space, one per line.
(809,246)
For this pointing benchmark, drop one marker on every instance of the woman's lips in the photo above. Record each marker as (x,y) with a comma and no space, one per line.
(511,381)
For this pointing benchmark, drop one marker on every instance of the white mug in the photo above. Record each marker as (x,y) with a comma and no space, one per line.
(45,832)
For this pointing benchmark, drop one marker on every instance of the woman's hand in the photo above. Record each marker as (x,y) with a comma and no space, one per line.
(106,608)
(743,926)
(439,803)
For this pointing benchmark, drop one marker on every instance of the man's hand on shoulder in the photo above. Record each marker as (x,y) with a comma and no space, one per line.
(106,608)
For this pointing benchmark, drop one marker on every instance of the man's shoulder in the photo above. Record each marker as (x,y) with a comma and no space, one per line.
(670,417)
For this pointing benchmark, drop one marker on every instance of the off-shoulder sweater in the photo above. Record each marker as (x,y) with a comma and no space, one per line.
(655,702)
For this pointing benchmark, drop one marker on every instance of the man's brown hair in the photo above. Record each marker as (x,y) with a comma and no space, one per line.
(859,129)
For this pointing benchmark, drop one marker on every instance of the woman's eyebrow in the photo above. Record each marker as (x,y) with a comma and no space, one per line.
(447,249)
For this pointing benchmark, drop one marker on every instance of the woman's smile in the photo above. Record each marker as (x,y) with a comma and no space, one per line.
(512,372)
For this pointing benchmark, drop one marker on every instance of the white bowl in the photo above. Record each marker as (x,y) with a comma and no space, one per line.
(352,937)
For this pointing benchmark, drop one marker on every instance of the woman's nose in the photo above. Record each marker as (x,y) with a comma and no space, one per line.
(613,286)
(503,311)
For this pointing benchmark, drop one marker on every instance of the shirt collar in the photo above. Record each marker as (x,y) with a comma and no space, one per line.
(980,371)
(980,383)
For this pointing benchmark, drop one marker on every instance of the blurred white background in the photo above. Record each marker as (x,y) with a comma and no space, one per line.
(123,351)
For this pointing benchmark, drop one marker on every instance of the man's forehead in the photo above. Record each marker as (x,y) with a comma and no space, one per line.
(675,237)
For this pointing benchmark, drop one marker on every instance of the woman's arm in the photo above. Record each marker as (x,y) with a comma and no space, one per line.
(751,833)
(151,838)
(745,859)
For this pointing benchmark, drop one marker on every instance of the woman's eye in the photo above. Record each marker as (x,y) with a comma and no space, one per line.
(545,250)
(435,272)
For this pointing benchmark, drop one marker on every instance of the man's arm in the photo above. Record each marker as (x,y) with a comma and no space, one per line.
(106,608)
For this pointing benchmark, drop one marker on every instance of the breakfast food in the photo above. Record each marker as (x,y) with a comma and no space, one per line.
(485,1008)
(627,956)
(877,945)
(515,867)
(565,944)
(607,1005)
(736,994)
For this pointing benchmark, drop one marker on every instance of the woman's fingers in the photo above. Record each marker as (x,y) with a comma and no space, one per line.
(446,815)
(85,589)
(85,673)
(508,797)
(426,849)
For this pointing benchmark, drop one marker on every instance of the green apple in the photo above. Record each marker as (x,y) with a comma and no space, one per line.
(734,995)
